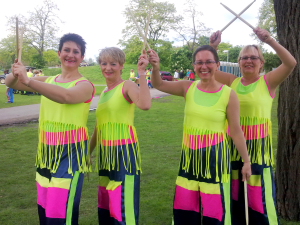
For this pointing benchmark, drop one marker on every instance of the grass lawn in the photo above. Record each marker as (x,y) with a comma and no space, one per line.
(160,133)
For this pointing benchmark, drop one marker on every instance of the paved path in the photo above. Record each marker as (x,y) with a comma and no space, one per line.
(26,113)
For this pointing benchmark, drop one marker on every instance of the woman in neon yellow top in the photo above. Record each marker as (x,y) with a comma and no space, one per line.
(117,148)
(256,95)
(202,193)
(62,155)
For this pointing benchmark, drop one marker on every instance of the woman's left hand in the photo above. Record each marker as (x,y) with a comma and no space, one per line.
(263,35)
(143,61)
(246,171)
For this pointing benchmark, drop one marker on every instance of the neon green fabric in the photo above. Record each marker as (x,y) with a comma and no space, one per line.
(204,133)
(115,127)
(255,120)
(60,127)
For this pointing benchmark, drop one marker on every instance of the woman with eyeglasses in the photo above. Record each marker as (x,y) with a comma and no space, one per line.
(202,194)
(256,94)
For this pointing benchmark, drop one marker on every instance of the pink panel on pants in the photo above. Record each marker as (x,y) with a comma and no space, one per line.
(42,195)
(186,199)
(255,198)
(57,202)
(235,189)
(103,199)
(212,206)
(115,203)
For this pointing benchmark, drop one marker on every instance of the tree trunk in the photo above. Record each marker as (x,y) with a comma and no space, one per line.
(288,153)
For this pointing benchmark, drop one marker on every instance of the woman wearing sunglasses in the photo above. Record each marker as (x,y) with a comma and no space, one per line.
(256,94)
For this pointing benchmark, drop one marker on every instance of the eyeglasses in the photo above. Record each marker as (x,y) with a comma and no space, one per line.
(253,58)
(208,63)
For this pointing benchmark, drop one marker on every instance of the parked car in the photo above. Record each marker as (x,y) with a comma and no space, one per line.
(2,79)
(166,75)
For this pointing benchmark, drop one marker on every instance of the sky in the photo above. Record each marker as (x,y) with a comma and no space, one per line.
(100,22)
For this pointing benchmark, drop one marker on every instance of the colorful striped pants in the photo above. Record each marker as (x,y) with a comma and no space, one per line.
(201,201)
(261,196)
(59,193)
(119,193)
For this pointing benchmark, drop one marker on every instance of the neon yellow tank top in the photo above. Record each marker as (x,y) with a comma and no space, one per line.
(115,127)
(204,130)
(60,125)
(255,119)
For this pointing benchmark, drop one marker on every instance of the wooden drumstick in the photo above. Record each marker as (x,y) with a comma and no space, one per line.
(238,15)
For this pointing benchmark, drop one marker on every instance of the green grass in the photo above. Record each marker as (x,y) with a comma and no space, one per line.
(160,133)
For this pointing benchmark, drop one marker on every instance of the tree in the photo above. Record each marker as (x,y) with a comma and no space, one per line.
(40,26)
(288,154)
(161,17)
(181,58)
(266,18)
(51,57)
(272,61)
(191,31)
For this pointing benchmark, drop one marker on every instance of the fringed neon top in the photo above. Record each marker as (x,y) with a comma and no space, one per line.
(204,135)
(116,131)
(256,104)
(62,125)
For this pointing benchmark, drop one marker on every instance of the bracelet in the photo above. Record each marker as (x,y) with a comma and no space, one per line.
(28,82)
(247,162)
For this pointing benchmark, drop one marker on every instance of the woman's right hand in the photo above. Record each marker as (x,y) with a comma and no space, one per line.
(246,171)
(215,39)
(19,71)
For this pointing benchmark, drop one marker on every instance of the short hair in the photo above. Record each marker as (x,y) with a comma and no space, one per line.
(260,54)
(75,38)
(112,53)
(206,48)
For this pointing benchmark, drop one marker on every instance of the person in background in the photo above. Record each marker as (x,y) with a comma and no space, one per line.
(181,74)
(149,72)
(36,73)
(188,74)
(203,185)
(41,73)
(256,94)
(132,75)
(118,157)
(62,154)
(9,91)
(176,75)
(192,75)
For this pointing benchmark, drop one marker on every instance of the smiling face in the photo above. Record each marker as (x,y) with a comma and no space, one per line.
(251,66)
(209,67)
(111,69)
(70,55)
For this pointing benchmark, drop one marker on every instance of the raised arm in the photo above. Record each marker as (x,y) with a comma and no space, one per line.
(278,75)
(140,95)
(172,87)
(82,92)
(236,133)
(222,77)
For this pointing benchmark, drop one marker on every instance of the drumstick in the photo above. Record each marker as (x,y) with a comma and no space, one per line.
(147,26)
(246,202)
(20,45)
(237,17)
(17,36)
